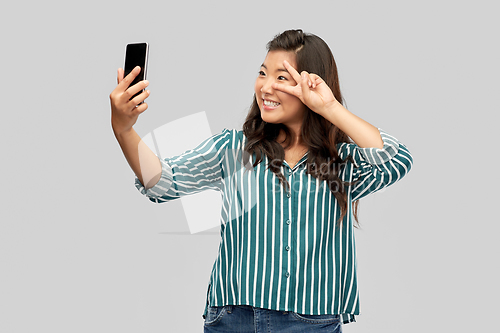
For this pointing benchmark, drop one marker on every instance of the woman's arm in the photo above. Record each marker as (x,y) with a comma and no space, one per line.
(364,134)
(202,168)
(124,114)
(142,160)
(373,169)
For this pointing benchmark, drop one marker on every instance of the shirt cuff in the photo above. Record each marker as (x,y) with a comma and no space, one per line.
(380,156)
(162,186)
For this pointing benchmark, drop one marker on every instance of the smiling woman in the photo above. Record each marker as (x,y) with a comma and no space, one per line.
(286,260)
(311,119)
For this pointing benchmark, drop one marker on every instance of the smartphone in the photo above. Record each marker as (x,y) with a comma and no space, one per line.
(136,55)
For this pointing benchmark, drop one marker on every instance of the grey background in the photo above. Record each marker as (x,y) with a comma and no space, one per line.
(81,250)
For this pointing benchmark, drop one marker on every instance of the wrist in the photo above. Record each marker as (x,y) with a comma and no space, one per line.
(122,134)
(333,111)
(334,107)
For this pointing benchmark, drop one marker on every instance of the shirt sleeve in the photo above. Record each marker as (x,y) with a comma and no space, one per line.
(369,170)
(191,172)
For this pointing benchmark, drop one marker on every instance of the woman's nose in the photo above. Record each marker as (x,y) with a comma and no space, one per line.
(267,87)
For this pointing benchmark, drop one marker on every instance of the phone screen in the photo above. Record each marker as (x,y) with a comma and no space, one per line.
(136,55)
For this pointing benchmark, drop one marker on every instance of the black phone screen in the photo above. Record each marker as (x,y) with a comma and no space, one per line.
(136,55)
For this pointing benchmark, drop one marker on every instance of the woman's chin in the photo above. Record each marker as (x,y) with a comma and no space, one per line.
(267,118)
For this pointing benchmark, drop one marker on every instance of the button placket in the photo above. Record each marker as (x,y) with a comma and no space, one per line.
(289,176)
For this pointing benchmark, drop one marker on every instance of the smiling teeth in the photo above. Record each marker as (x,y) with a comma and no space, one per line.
(269,103)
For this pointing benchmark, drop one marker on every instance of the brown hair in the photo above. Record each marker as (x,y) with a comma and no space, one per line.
(318,134)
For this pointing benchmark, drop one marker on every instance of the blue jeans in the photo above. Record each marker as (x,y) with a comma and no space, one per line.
(248,319)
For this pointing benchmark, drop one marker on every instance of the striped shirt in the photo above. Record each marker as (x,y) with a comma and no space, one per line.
(280,249)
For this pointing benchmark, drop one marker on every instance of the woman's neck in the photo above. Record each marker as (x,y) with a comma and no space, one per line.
(295,141)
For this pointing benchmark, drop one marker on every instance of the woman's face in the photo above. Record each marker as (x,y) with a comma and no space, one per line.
(277,106)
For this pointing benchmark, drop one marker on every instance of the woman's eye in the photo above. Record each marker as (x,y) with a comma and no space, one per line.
(281,78)
(261,73)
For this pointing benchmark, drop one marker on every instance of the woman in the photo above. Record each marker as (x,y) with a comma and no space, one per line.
(290,183)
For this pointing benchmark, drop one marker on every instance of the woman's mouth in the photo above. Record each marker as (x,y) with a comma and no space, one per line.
(270,105)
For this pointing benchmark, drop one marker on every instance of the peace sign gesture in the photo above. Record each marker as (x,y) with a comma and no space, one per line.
(310,89)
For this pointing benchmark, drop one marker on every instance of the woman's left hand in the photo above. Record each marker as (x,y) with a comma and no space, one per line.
(310,89)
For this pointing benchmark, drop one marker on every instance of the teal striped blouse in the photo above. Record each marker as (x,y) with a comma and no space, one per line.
(280,249)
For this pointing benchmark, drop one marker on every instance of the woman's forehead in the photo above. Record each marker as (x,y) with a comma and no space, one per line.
(276,58)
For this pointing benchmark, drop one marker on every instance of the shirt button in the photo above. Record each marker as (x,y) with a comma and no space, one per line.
(288,194)
(287,221)
(287,248)
(287,274)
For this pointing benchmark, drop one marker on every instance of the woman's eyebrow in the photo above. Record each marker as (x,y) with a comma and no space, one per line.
(282,69)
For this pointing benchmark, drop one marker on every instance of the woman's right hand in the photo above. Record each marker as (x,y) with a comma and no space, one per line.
(125,111)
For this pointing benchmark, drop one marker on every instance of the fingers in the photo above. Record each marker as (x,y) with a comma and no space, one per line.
(284,88)
(316,80)
(131,91)
(119,77)
(312,79)
(126,100)
(305,84)
(141,108)
(293,72)
(123,84)
(139,98)
(304,81)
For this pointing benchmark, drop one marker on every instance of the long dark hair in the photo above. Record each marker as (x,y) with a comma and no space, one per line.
(318,134)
